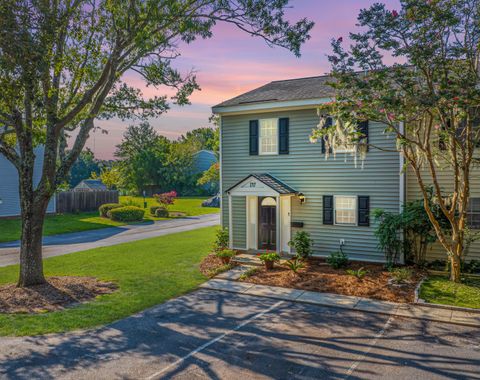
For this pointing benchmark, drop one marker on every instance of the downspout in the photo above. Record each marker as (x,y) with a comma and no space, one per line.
(220,158)
(402,188)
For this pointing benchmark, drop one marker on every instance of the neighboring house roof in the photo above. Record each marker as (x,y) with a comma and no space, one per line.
(270,181)
(203,160)
(92,184)
(285,90)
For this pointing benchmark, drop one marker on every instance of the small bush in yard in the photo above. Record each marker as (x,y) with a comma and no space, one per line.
(161,212)
(359,273)
(105,208)
(153,210)
(400,275)
(295,264)
(337,260)
(302,244)
(221,240)
(166,199)
(126,214)
(225,255)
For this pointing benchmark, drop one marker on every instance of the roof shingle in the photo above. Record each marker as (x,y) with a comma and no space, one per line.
(285,90)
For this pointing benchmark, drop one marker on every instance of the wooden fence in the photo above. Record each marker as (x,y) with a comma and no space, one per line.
(76,201)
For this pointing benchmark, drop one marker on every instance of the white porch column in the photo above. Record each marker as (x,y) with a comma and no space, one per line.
(278,225)
(230,221)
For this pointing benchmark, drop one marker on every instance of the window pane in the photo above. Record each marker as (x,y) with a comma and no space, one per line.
(268,136)
(345,210)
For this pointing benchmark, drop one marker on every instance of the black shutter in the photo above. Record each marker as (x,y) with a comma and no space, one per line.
(253,137)
(283,135)
(363,210)
(328,123)
(363,129)
(328,209)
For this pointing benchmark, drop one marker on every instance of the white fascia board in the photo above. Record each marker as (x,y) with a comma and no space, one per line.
(270,106)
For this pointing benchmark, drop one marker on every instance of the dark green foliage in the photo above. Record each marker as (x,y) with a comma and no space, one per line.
(302,244)
(418,230)
(225,253)
(153,210)
(127,214)
(221,240)
(337,260)
(105,208)
(161,212)
(83,168)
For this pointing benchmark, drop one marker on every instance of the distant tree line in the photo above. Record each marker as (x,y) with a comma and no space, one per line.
(147,161)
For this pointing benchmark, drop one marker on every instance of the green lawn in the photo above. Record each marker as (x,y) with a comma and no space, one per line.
(439,290)
(59,224)
(148,272)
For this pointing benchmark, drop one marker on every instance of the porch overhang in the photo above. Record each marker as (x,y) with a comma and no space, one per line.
(264,185)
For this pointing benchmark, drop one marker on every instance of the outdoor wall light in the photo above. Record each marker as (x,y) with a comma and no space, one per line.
(1,201)
(302,198)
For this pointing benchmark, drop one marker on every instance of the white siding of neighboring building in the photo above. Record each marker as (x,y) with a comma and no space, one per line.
(9,194)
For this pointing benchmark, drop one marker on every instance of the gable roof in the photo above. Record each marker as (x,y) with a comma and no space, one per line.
(269,180)
(94,184)
(285,90)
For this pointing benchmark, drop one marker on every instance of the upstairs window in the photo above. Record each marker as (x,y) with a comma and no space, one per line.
(473,213)
(268,141)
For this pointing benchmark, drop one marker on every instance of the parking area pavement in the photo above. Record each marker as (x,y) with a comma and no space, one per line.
(220,335)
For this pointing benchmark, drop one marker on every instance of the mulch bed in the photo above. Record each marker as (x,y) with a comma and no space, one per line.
(212,265)
(57,294)
(319,277)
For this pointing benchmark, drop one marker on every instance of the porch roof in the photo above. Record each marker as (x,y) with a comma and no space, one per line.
(267,179)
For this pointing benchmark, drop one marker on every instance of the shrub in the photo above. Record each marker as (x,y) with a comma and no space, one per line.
(400,275)
(166,199)
(295,264)
(221,240)
(302,244)
(131,202)
(225,253)
(161,212)
(472,267)
(126,214)
(359,273)
(105,208)
(153,210)
(337,260)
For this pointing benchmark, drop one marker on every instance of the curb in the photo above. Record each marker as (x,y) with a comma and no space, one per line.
(397,307)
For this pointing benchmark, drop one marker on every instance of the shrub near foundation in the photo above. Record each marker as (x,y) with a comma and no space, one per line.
(127,214)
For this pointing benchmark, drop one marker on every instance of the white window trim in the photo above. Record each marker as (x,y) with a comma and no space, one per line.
(355,197)
(260,152)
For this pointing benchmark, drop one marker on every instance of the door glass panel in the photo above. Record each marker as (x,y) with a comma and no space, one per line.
(269,201)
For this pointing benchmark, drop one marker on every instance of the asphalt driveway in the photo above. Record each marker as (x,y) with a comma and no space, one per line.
(219,335)
(57,245)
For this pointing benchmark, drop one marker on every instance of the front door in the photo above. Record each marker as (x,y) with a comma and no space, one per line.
(267,223)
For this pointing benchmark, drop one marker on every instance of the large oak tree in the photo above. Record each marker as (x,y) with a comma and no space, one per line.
(62,67)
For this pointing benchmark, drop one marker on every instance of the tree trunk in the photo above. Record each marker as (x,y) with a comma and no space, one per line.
(455,268)
(31,264)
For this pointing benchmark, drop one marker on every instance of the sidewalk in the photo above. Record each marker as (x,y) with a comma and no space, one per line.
(423,312)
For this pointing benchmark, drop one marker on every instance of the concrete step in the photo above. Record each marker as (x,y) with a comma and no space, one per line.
(247,259)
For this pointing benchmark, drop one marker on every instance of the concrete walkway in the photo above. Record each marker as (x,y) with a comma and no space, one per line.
(57,245)
(423,312)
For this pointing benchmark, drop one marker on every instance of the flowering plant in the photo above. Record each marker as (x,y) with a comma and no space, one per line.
(166,199)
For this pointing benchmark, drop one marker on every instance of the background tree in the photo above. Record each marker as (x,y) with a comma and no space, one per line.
(111,177)
(429,101)
(84,166)
(202,138)
(143,158)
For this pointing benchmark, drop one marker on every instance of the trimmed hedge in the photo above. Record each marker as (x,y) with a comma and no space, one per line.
(127,214)
(161,212)
(105,208)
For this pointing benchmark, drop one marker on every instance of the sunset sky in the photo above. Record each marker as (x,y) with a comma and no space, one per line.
(232,62)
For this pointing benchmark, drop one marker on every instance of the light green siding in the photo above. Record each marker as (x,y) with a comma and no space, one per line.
(437,251)
(306,170)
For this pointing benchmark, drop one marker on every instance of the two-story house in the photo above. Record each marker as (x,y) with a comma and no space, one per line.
(275,182)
